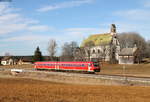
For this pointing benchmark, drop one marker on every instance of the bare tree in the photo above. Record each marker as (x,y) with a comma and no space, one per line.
(52,45)
(130,39)
(87,47)
(73,46)
(7,54)
(79,54)
(68,51)
(147,50)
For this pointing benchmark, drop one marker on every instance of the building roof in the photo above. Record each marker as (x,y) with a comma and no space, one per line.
(6,58)
(1,57)
(27,58)
(16,58)
(128,51)
(98,39)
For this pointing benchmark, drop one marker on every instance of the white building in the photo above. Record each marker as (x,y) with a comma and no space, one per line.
(128,55)
(7,61)
(102,46)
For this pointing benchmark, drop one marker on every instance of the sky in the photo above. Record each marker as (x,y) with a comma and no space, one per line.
(26,24)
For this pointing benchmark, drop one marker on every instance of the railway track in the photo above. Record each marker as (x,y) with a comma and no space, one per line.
(125,78)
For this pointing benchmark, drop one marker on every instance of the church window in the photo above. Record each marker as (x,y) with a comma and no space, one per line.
(99,51)
(93,51)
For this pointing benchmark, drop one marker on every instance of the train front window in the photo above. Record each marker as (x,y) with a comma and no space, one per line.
(96,64)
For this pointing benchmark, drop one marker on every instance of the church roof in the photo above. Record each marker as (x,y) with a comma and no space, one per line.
(128,51)
(98,39)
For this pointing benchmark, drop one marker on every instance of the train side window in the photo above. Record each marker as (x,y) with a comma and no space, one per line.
(76,65)
(83,65)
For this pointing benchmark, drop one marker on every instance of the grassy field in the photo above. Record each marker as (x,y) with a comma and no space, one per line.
(27,90)
(136,69)
(18,66)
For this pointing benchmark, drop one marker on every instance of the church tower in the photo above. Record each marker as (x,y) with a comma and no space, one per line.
(113,29)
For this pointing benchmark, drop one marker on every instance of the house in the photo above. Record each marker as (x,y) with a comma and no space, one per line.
(25,60)
(128,55)
(101,46)
(14,60)
(8,60)
(0,59)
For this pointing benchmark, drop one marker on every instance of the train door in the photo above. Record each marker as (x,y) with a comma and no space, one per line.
(56,65)
(89,67)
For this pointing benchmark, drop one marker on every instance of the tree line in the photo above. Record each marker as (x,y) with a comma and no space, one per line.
(67,51)
(126,40)
(131,39)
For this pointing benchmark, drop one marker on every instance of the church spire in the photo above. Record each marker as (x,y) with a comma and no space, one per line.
(113,29)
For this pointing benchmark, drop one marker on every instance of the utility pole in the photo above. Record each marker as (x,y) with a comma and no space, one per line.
(124,73)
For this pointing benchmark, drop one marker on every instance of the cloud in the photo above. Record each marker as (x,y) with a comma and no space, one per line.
(26,37)
(7,18)
(134,20)
(4,8)
(61,36)
(147,3)
(11,21)
(80,33)
(135,14)
(67,35)
(138,27)
(39,28)
(10,28)
(69,4)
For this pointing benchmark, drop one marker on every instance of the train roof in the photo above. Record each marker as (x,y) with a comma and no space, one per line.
(64,62)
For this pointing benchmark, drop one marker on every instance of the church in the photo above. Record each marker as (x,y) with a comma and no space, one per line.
(104,47)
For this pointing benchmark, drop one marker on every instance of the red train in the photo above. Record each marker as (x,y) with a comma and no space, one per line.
(67,66)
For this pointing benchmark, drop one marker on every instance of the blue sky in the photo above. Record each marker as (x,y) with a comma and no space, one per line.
(26,24)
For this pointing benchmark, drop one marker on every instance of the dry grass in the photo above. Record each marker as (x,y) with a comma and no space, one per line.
(137,69)
(18,66)
(27,90)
